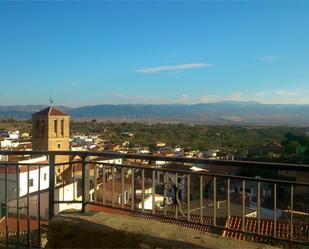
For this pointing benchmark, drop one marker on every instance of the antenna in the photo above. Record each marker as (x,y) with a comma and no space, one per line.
(51,101)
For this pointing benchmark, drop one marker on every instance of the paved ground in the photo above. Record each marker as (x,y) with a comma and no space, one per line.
(149,232)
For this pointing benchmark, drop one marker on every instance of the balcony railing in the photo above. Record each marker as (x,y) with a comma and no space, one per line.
(213,197)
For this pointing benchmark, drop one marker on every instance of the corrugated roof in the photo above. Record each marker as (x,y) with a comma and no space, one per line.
(50,111)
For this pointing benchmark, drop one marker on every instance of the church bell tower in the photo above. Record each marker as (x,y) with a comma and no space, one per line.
(51,131)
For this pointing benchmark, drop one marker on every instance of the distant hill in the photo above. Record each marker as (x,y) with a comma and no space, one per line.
(227,112)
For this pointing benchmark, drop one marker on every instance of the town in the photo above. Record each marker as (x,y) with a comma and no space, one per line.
(154,124)
(148,181)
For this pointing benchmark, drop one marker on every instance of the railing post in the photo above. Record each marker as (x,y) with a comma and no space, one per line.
(201,199)
(228,206)
(215,202)
(176,197)
(122,189)
(188,197)
(103,184)
(95,182)
(275,210)
(133,190)
(291,209)
(85,184)
(17,205)
(243,219)
(113,186)
(51,202)
(153,191)
(143,190)
(6,206)
(258,207)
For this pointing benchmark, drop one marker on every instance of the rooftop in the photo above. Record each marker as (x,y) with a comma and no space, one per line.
(50,111)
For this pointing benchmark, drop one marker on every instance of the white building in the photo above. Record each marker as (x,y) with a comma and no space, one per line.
(67,192)
(158,199)
(211,154)
(14,135)
(6,143)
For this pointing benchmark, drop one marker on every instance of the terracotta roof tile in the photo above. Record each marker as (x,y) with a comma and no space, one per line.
(300,230)
(50,111)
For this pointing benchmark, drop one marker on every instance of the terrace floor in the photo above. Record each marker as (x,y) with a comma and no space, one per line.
(111,228)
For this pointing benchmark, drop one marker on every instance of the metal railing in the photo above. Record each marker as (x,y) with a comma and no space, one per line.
(247,207)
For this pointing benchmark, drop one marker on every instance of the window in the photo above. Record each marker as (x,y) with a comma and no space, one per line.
(42,128)
(55,126)
(62,127)
(59,170)
(38,127)
(59,146)
(45,176)
(31,182)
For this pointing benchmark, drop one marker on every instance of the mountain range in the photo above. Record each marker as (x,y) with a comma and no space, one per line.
(227,112)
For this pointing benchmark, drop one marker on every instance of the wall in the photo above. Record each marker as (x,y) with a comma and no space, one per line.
(61,193)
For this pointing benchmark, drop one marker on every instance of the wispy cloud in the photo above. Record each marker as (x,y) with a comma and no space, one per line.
(279,96)
(72,83)
(236,96)
(286,93)
(269,58)
(179,67)
(120,98)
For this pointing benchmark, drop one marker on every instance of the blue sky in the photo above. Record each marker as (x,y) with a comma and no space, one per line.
(87,53)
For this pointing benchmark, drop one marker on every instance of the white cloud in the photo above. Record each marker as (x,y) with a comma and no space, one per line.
(286,93)
(205,99)
(269,58)
(179,67)
(282,96)
(185,97)
(236,96)
(120,98)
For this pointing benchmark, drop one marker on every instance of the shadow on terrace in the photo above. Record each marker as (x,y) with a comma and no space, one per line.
(125,200)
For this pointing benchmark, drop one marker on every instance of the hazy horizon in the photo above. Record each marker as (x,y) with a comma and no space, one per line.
(198,103)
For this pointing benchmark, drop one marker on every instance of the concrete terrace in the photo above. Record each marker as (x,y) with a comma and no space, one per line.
(112,229)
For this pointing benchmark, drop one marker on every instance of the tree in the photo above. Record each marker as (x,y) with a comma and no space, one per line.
(292,147)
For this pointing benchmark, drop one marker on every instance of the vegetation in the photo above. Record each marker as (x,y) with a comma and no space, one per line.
(12,124)
(237,140)
(202,137)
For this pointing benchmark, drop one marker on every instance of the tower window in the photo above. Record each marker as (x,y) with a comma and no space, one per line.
(62,127)
(38,127)
(59,146)
(55,126)
(42,127)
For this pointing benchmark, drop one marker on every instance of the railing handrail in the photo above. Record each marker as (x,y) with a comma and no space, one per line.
(98,158)
(198,173)
(230,163)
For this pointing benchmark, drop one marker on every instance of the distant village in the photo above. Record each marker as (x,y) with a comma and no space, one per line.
(139,184)
(50,131)
(15,140)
